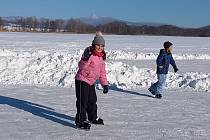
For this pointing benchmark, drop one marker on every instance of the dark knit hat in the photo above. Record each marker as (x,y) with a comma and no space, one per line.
(98,39)
(167,44)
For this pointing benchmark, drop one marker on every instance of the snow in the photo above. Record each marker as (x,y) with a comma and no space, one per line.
(37,97)
(37,113)
(52,59)
(57,68)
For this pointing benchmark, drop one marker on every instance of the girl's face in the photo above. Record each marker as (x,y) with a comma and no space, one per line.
(99,48)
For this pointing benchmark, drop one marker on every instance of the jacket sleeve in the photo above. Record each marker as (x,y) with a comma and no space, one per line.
(160,59)
(84,64)
(103,78)
(172,62)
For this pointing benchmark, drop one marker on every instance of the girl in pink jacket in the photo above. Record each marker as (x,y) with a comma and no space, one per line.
(91,68)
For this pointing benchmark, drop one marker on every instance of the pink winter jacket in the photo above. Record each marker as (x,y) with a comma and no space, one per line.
(91,70)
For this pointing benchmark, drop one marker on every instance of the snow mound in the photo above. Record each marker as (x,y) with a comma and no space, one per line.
(123,76)
(58,68)
(124,55)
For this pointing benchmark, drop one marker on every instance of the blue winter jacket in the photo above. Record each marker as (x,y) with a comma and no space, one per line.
(164,59)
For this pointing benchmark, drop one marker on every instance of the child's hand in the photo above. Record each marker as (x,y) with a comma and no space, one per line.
(86,55)
(106,89)
(176,69)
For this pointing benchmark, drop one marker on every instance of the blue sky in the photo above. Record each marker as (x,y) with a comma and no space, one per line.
(187,13)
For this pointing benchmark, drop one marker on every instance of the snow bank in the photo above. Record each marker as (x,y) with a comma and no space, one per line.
(124,55)
(123,76)
(58,68)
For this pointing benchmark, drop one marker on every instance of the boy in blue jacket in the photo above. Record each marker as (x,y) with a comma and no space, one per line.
(163,60)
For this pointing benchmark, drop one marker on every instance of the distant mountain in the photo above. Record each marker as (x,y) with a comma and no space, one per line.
(95,21)
(143,23)
(205,27)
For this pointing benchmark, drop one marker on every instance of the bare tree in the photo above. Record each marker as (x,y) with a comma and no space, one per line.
(71,25)
(53,26)
(45,24)
(60,25)
(77,26)
(31,23)
(115,27)
(1,23)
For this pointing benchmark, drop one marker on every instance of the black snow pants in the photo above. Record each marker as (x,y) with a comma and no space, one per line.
(86,101)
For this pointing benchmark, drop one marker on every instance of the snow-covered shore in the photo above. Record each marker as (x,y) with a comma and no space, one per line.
(58,68)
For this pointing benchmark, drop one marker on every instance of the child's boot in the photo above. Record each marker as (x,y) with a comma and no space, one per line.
(159,96)
(150,90)
(83,125)
(98,121)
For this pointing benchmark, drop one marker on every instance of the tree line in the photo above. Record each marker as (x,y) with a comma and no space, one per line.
(33,24)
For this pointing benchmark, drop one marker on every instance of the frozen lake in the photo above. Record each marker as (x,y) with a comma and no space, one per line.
(37,96)
(145,44)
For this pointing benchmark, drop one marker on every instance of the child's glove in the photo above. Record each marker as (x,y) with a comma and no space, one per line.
(86,55)
(176,69)
(106,89)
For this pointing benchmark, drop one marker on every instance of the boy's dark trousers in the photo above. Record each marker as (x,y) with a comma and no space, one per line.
(86,101)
